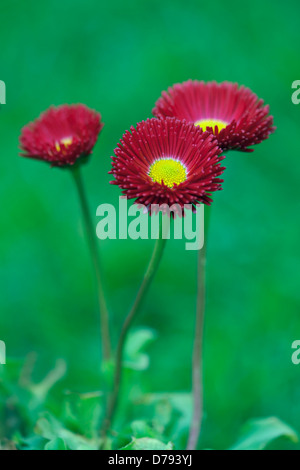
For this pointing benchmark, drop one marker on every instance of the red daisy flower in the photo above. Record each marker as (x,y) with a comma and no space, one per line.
(167,161)
(235,115)
(62,135)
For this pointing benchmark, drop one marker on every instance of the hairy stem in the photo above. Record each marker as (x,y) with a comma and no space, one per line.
(92,241)
(197,362)
(147,280)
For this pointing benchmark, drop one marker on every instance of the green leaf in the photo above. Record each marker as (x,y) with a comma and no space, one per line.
(32,442)
(56,444)
(82,412)
(146,443)
(141,428)
(257,434)
(50,428)
(170,414)
(135,358)
(41,390)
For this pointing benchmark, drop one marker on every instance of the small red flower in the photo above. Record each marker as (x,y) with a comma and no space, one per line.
(167,161)
(235,115)
(62,135)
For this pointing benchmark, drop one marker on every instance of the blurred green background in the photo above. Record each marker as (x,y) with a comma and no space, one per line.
(117,57)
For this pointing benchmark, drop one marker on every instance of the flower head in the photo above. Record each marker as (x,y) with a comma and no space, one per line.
(62,135)
(233,114)
(167,161)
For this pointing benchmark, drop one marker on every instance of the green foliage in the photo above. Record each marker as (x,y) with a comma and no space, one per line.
(77,425)
(138,340)
(56,444)
(83,412)
(146,443)
(257,434)
(50,428)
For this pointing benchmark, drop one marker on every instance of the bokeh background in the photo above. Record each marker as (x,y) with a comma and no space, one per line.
(117,57)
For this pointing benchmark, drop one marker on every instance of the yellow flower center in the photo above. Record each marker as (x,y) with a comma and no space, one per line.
(67,141)
(211,123)
(168,171)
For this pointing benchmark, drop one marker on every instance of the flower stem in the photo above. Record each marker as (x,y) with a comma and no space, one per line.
(90,232)
(197,365)
(148,278)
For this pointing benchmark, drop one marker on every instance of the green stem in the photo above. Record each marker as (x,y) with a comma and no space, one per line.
(197,364)
(90,232)
(148,278)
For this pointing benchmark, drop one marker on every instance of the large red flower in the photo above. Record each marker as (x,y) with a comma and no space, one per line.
(234,114)
(62,135)
(167,161)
